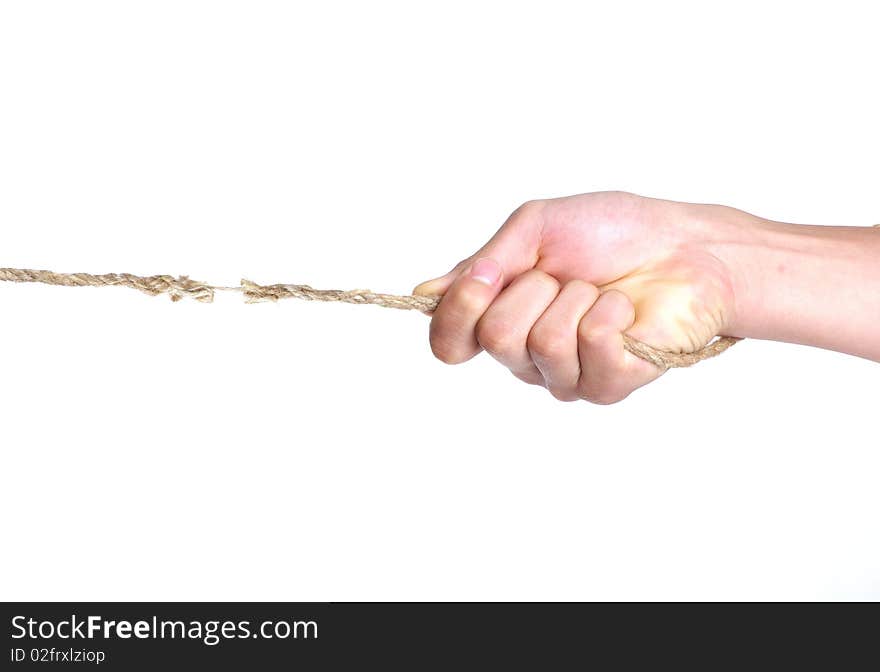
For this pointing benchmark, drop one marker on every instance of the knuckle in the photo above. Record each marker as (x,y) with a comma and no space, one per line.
(535,276)
(589,334)
(622,198)
(583,288)
(527,209)
(495,336)
(618,299)
(592,333)
(547,342)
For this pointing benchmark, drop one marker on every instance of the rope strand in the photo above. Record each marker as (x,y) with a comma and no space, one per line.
(182,286)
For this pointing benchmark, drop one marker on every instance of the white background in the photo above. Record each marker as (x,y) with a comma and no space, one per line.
(298,451)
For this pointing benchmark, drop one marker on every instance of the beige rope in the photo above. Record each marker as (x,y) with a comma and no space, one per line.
(176,288)
(182,286)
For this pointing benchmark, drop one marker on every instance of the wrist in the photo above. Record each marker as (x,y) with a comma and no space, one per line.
(753,250)
(815,285)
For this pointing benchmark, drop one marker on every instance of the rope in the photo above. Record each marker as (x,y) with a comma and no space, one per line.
(176,288)
(182,286)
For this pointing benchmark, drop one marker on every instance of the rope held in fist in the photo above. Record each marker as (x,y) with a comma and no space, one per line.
(182,286)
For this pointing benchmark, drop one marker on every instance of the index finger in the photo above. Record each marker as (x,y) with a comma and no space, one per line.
(453,327)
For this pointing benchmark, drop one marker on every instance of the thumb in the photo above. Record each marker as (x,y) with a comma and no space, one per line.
(515,247)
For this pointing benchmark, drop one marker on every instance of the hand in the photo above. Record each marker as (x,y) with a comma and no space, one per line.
(551,294)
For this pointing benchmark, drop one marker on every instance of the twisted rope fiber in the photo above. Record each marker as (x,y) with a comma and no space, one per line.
(182,286)
(176,288)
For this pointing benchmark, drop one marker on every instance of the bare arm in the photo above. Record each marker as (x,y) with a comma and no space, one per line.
(814,285)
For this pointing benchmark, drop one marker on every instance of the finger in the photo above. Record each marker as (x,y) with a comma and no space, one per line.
(439,286)
(553,341)
(452,328)
(608,372)
(515,247)
(503,331)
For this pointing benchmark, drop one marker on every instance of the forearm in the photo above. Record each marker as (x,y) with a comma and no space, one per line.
(813,285)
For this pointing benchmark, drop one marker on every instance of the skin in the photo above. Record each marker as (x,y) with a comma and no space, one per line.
(552,292)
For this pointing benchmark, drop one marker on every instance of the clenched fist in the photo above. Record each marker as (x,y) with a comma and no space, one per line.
(552,293)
